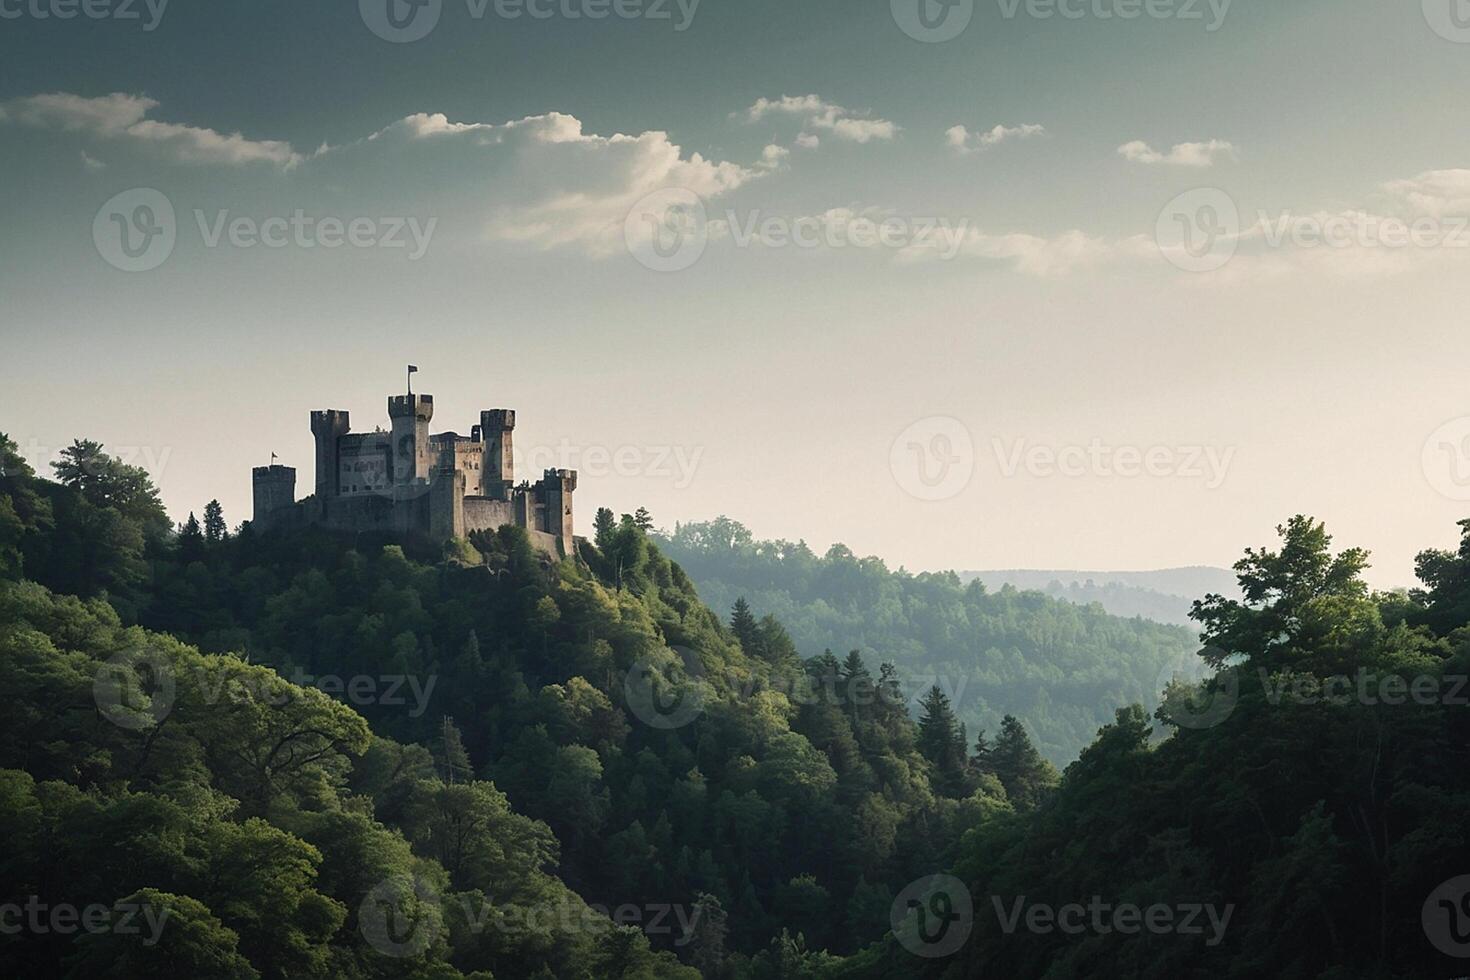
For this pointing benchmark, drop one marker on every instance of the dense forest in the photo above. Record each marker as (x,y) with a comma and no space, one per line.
(1060,668)
(497,739)
(245,755)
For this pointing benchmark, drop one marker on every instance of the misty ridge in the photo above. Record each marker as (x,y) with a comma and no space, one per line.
(1164,595)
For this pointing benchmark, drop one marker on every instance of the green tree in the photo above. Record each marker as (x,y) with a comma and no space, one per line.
(1026,776)
(215,529)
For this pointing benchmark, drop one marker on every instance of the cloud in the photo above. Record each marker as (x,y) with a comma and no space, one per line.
(122,116)
(1434,192)
(556,185)
(961,140)
(1182,155)
(90,164)
(817,113)
(1049,256)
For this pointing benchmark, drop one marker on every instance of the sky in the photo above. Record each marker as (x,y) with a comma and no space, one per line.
(1110,284)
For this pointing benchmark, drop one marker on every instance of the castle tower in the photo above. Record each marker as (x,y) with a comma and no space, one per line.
(497,429)
(275,490)
(328,426)
(412,459)
(556,489)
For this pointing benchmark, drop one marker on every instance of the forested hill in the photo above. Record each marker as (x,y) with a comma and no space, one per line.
(333,756)
(1062,669)
(1164,595)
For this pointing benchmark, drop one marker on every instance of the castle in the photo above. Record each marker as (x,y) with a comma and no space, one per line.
(406,481)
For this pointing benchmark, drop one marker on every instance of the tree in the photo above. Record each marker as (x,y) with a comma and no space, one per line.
(743,625)
(215,529)
(1281,590)
(453,760)
(707,941)
(106,481)
(191,540)
(1026,776)
(603,525)
(940,740)
(643,520)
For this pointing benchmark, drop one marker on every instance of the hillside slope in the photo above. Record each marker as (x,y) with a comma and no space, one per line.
(1061,669)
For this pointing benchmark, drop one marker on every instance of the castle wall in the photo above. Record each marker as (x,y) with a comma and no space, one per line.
(484,514)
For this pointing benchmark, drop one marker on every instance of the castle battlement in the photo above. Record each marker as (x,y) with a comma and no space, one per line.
(409,481)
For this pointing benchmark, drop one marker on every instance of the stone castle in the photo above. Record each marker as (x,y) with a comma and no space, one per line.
(406,481)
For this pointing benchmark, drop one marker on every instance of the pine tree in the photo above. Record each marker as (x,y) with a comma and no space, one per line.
(981,761)
(643,519)
(191,540)
(940,741)
(453,760)
(743,625)
(604,524)
(215,529)
(1026,776)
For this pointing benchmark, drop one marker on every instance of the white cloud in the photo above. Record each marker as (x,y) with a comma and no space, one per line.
(1050,256)
(808,141)
(961,140)
(1435,192)
(558,186)
(122,116)
(817,113)
(1182,155)
(90,164)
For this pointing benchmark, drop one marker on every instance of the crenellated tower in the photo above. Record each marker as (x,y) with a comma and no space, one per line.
(412,458)
(497,432)
(328,426)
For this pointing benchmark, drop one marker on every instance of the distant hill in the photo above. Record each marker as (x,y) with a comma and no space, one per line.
(1163,595)
(1061,668)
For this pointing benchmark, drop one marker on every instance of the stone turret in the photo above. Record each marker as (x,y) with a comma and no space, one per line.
(275,491)
(555,490)
(497,432)
(412,455)
(328,426)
